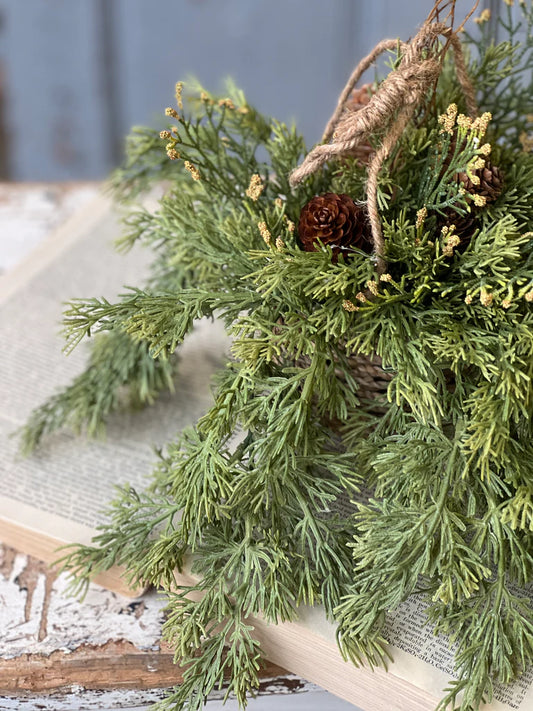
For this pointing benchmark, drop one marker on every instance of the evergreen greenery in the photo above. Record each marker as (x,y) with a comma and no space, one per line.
(447,451)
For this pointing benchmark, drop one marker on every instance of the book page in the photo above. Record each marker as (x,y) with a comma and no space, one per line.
(419,656)
(71,479)
(427,661)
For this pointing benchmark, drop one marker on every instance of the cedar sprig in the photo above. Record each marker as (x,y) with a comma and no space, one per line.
(120,373)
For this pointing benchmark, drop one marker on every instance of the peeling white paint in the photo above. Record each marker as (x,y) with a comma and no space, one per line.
(103,616)
(310,698)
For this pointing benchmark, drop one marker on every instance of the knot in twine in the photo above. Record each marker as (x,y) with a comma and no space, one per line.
(390,109)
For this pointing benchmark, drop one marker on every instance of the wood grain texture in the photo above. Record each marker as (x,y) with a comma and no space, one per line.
(114,665)
(37,616)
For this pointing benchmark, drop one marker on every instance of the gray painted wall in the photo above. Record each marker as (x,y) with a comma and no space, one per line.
(79,73)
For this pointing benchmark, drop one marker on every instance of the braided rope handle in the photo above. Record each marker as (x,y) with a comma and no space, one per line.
(391,107)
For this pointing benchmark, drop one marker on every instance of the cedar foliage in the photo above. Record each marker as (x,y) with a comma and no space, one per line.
(447,451)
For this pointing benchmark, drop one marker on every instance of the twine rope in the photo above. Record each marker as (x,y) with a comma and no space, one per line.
(357,73)
(390,108)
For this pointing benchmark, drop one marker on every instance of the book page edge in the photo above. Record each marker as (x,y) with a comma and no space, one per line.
(35,542)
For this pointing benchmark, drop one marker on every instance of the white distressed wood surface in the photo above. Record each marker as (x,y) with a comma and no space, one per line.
(37,617)
(277,698)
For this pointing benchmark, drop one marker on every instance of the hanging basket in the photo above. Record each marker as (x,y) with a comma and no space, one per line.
(378,291)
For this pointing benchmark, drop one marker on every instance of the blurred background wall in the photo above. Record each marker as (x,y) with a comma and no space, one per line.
(75,75)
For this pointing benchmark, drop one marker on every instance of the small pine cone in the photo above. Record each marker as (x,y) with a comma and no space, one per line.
(359,98)
(490,182)
(490,176)
(465,226)
(336,221)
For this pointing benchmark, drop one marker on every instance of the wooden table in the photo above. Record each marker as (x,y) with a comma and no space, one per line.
(57,653)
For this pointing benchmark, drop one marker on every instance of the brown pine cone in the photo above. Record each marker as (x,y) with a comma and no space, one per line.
(359,98)
(335,221)
(490,176)
(490,182)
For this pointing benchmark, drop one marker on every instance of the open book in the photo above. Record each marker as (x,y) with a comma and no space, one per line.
(422,667)
(56,496)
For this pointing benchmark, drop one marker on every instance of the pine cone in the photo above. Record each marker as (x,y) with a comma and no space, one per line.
(336,221)
(490,182)
(359,98)
(490,177)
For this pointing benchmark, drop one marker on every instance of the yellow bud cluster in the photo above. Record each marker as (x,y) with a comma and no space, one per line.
(348,305)
(256,187)
(372,287)
(476,163)
(265,232)
(280,244)
(361,297)
(385,277)
(484,17)
(169,111)
(447,120)
(193,170)
(477,125)
(526,142)
(452,240)
(529,296)
(170,148)
(464,121)
(226,103)
(468,299)
(481,123)
(421,216)
(290,226)
(479,200)
(486,297)
(179,89)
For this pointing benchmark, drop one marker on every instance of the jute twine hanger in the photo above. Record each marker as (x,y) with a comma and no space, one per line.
(392,106)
